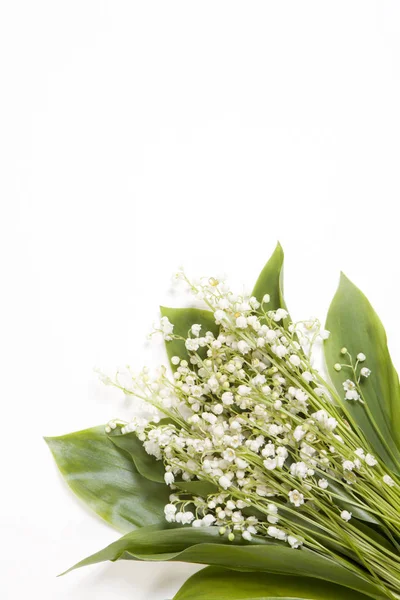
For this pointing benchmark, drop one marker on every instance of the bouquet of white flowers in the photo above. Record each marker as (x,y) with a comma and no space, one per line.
(248,458)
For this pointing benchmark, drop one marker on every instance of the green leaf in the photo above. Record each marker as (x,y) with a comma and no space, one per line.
(354,324)
(197,488)
(206,546)
(145,464)
(183,319)
(346,501)
(270,281)
(222,584)
(154,469)
(106,479)
(150,544)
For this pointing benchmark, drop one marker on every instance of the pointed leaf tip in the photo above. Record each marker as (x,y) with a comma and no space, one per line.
(344,279)
(206,546)
(270,280)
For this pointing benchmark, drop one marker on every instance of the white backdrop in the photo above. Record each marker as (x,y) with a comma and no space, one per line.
(138,136)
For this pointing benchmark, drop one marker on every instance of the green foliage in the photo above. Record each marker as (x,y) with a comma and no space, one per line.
(354,324)
(153,469)
(106,479)
(206,546)
(270,281)
(145,464)
(222,584)
(124,485)
(183,319)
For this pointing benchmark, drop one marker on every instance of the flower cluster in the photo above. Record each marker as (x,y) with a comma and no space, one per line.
(250,422)
(352,387)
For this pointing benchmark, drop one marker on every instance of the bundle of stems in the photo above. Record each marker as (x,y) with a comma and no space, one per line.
(248,414)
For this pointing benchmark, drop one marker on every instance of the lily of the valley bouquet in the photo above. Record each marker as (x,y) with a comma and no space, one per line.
(284,480)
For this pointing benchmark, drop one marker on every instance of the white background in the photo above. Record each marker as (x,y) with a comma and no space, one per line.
(138,136)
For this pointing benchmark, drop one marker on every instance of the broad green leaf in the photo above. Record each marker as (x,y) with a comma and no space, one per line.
(270,281)
(214,583)
(106,479)
(183,319)
(145,464)
(354,324)
(206,546)
(150,544)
